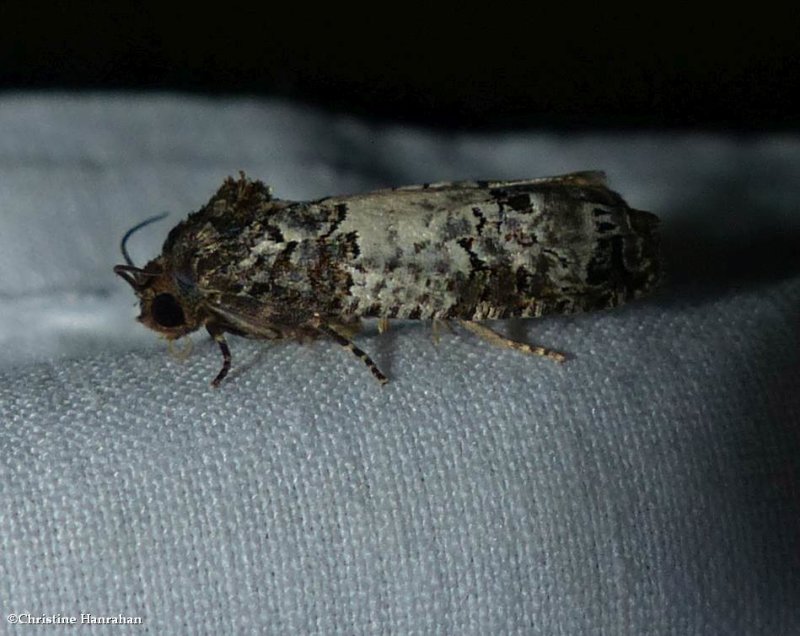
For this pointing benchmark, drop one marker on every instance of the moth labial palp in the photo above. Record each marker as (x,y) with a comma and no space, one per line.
(255,266)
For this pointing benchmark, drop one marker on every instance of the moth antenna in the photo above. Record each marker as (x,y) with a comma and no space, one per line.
(136,228)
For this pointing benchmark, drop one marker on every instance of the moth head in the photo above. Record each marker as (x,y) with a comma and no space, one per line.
(168,304)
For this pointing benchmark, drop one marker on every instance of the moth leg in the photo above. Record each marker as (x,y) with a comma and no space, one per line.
(219,338)
(497,339)
(180,354)
(348,329)
(383,325)
(358,353)
(437,323)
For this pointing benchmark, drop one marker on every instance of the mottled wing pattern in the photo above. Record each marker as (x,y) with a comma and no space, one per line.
(471,250)
(479,250)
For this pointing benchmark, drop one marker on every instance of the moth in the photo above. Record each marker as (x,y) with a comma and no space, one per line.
(252,265)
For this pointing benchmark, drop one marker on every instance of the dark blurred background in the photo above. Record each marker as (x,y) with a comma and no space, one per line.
(495,68)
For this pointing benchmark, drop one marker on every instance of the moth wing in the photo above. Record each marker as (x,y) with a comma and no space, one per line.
(587,178)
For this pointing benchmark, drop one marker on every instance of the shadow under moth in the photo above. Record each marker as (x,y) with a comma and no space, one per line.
(252,265)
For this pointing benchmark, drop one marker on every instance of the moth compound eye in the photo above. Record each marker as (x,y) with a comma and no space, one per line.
(166,311)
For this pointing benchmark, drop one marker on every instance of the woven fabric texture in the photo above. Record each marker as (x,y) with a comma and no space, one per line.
(648,486)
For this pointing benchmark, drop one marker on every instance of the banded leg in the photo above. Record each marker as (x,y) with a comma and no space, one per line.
(498,339)
(435,325)
(348,329)
(219,338)
(358,353)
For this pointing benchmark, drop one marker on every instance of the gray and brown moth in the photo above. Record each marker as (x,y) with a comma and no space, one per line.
(255,266)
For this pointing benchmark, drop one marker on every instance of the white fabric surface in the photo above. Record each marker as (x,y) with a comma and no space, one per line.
(649,486)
